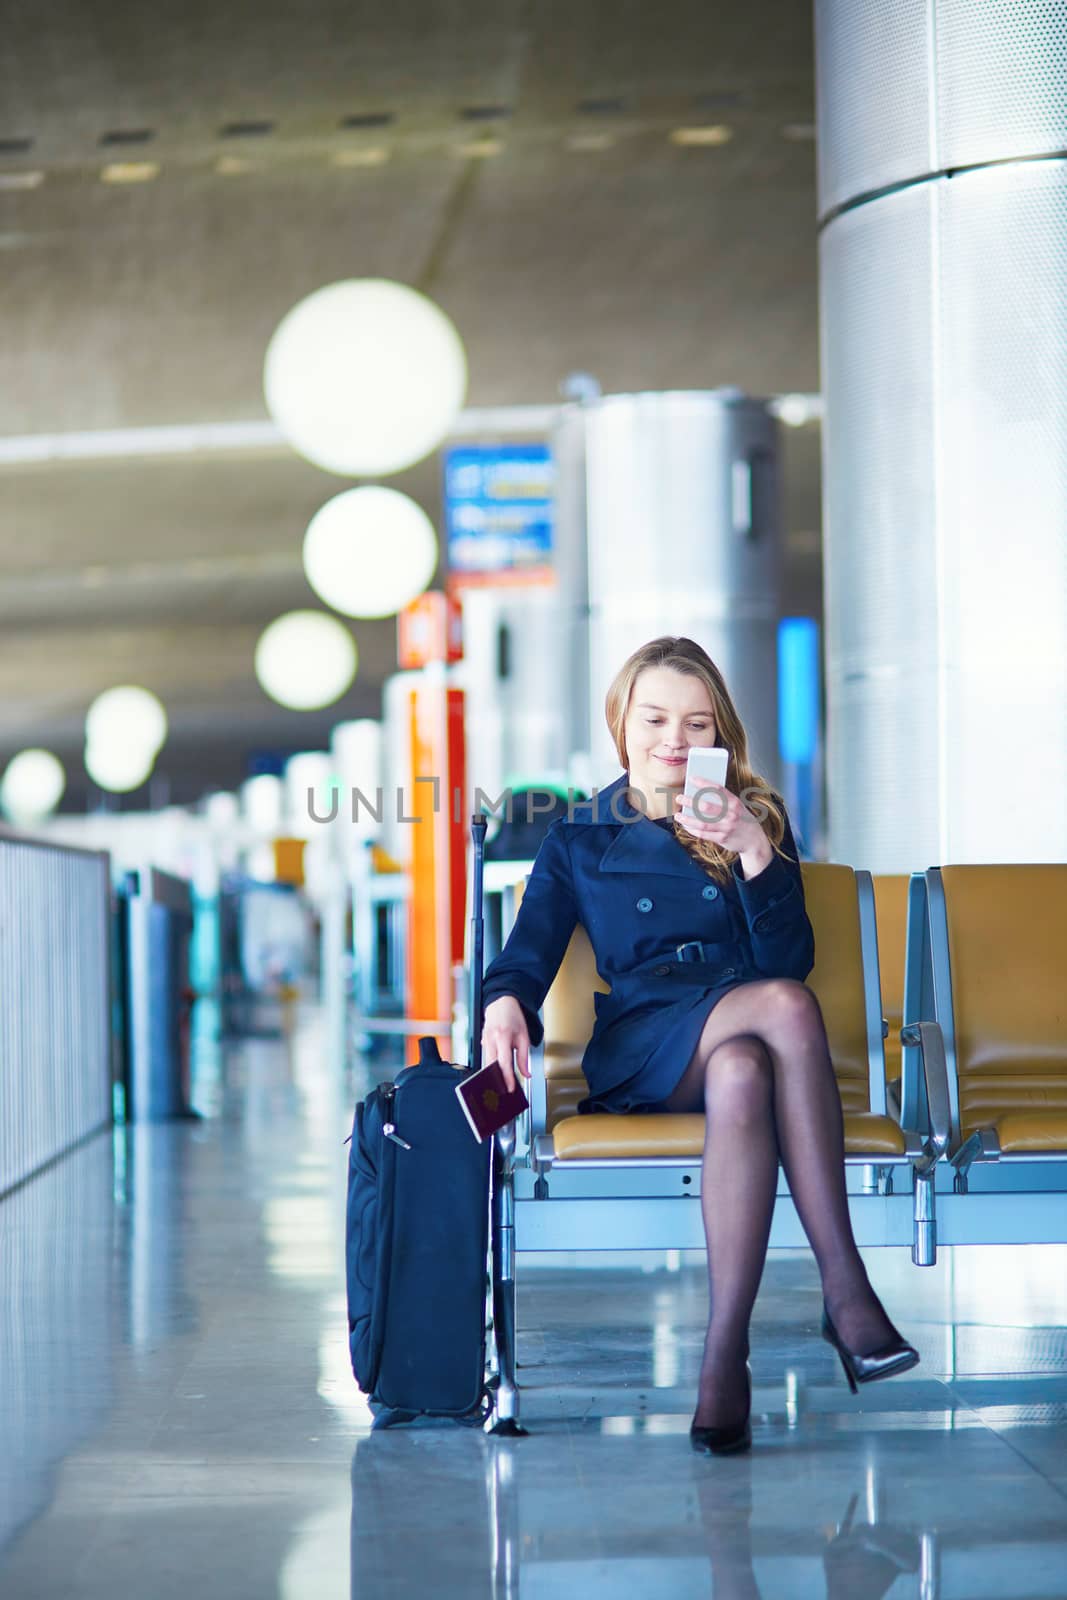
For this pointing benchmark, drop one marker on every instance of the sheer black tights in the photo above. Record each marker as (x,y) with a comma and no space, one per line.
(761,1073)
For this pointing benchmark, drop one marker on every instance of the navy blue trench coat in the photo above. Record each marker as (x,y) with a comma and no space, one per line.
(639,894)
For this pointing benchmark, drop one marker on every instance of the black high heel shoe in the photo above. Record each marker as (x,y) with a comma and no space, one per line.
(725,1441)
(898,1356)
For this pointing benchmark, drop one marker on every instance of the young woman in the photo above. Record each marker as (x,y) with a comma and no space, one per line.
(697,920)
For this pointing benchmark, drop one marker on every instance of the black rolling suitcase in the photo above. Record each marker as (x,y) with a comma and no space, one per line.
(417,1232)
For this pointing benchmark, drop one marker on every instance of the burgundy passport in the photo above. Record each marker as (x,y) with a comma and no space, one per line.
(488,1103)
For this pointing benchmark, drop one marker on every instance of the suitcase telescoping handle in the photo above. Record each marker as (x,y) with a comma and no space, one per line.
(479,823)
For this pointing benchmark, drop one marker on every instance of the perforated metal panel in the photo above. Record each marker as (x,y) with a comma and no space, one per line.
(684,531)
(1004,512)
(945,373)
(872,95)
(1001,79)
(907,88)
(944,333)
(881,614)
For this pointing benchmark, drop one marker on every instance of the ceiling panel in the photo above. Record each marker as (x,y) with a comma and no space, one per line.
(588,241)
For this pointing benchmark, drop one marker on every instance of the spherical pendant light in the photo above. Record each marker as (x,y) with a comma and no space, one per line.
(369,551)
(118,767)
(128,717)
(305,659)
(365,377)
(32,786)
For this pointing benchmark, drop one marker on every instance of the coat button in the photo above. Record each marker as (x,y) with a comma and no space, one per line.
(660,972)
(644,904)
(710,892)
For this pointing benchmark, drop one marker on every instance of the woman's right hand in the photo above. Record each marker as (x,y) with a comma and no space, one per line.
(504,1031)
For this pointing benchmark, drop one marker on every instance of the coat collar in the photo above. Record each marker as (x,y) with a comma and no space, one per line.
(637,844)
(606,805)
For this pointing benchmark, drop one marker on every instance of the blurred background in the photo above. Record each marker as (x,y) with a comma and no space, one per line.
(376,381)
(588,188)
(267,537)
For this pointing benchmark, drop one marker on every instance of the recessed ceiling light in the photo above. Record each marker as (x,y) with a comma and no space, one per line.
(21,180)
(130,172)
(233,166)
(480,148)
(587,143)
(715,99)
(367,119)
(246,130)
(715,133)
(799,131)
(128,136)
(601,107)
(373,156)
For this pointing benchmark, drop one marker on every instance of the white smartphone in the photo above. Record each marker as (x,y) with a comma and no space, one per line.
(705,764)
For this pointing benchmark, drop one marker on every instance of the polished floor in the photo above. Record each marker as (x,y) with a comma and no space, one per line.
(178,1415)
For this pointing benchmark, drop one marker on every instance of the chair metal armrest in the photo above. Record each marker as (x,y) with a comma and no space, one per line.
(983,1145)
(522,1132)
(505,1141)
(928,1037)
(537,1092)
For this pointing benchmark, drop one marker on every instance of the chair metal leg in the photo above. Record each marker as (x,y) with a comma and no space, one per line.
(507,1390)
(924,1239)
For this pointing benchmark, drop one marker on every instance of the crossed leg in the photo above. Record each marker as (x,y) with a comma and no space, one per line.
(762,1074)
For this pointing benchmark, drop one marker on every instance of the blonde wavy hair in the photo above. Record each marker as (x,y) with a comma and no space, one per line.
(685,655)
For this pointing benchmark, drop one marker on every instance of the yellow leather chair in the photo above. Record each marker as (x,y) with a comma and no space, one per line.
(851,1007)
(845,980)
(997,952)
(569,1182)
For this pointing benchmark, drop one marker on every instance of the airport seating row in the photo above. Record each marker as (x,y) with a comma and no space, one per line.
(945,1002)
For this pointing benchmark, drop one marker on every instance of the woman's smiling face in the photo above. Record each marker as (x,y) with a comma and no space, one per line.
(668,713)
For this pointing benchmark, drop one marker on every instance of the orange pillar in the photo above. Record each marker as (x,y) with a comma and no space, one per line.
(438,804)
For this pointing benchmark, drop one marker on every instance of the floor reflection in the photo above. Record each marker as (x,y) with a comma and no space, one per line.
(56,1318)
(178,1414)
(867,1558)
(464,1514)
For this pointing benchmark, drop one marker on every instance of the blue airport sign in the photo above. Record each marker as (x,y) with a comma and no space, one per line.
(498,507)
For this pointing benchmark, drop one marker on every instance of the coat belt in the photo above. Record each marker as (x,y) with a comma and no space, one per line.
(696,961)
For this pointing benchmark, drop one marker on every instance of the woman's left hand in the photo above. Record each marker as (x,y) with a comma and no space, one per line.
(726,821)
